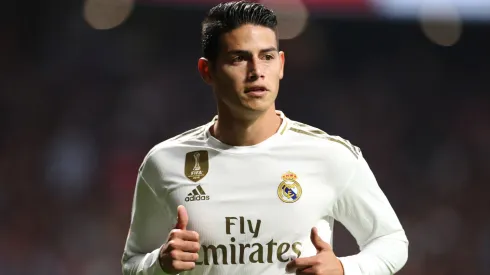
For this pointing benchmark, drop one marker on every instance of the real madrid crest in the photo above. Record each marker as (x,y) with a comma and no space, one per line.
(289,190)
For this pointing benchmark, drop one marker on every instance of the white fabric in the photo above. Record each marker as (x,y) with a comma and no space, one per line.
(242,218)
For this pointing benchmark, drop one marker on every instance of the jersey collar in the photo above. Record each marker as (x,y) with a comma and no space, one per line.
(214,142)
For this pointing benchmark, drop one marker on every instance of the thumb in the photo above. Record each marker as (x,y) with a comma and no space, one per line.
(182,218)
(319,244)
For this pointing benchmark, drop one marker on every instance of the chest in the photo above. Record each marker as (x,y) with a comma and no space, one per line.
(250,196)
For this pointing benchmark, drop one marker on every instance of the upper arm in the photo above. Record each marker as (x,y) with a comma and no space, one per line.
(150,217)
(363,208)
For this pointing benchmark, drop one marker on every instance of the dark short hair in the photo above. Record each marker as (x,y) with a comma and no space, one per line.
(226,17)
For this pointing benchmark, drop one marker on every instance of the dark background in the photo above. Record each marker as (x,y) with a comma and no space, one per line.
(80,108)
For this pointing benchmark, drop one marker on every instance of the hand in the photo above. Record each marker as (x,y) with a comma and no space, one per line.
(180,252)
(323,263)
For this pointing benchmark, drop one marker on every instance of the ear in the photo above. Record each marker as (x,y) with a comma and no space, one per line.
(204,70)
(282,59)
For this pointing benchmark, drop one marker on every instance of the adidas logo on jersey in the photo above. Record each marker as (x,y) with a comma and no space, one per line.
(197,194)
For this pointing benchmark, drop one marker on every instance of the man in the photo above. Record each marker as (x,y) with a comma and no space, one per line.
(252,191)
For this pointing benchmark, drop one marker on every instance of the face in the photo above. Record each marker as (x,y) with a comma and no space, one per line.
(247,71)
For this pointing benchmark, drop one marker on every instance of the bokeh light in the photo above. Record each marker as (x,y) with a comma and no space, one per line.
(292,16)
(107,14)
(441,22)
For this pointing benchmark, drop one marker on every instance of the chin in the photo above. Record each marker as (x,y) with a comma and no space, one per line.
(258,106)
(258,103)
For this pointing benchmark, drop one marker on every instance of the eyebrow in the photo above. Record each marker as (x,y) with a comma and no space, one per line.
(238,52)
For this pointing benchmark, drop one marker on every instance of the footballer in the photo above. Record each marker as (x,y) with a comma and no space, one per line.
(254,192)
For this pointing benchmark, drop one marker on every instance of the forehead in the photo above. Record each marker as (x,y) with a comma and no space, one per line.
(249,38)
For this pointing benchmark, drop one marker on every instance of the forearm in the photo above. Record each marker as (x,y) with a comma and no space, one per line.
(384,255)
(142,264)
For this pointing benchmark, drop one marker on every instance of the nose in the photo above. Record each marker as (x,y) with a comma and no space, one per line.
(254,70)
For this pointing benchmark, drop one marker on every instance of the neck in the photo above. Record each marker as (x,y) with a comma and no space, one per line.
(238,131)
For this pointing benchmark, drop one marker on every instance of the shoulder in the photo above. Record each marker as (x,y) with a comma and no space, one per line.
(323,140)
(189,136)
(336,159)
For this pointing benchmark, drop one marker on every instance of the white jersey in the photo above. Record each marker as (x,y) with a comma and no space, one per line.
(254,206)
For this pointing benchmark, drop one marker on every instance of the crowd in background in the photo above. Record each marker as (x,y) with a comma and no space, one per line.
(80,108)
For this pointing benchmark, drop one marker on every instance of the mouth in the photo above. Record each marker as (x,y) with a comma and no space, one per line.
(255,90)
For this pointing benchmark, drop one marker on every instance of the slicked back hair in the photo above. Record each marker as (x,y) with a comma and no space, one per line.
(226,17)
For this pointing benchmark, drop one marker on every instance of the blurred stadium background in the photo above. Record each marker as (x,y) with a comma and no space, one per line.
(87,88)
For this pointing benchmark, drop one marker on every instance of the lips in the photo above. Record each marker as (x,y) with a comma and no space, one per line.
(255,89)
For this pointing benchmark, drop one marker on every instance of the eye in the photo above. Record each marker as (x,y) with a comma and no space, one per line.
(268,57)
(237,59)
